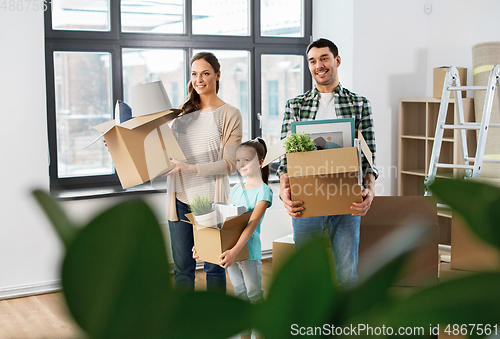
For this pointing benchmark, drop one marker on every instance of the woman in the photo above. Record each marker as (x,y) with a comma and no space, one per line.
(208,132)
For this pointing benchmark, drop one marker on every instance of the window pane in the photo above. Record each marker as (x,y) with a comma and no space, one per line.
(141,66)
(234,83)
(221,17)
(81,15)
(83,99)
(282,79)
(153,16)
(281,18)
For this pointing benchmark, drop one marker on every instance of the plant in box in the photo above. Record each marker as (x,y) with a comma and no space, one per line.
(205,215)
(299,142)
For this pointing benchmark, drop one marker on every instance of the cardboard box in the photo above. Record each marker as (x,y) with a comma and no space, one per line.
(283,249)
(141,147)
(327,181)
(386,215)
(468,252)
(210,242)
(447,273)
(439,75)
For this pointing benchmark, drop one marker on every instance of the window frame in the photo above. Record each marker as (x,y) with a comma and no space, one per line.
(115,40)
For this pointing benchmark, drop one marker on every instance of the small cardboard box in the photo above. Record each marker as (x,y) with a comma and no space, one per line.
(141,147)
(468,251)
(210,242)
(439,75)
(283,249)
(327,181)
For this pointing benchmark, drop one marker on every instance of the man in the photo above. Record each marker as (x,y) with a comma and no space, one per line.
(329,100)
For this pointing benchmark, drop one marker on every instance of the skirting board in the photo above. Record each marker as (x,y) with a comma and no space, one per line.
(28,290)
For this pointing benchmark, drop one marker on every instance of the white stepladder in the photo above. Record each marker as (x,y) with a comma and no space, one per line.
(452,83)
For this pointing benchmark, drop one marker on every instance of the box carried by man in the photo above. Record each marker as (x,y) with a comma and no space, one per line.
(328,181)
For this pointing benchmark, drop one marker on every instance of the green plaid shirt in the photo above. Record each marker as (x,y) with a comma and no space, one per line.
(347,105)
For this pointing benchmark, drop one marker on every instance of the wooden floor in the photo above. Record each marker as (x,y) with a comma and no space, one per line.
(45,316)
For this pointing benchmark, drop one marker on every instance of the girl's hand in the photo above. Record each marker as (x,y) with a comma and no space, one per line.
(227,258)
(195,255)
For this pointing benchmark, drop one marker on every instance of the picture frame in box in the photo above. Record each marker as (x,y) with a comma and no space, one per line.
(329,133)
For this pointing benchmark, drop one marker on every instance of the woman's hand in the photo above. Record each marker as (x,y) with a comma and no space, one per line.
(195,255)
(227,258)
(180,167)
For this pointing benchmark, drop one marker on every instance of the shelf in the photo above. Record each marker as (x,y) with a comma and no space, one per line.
(413,118)
(433,112)
(418,172)
(411,184)
(413,137)
(444,139)
(417,121)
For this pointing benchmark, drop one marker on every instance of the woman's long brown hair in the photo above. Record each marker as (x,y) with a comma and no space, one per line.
(193,101)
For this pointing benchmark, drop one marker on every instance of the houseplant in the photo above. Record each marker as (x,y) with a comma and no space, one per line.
(117,283)
(204,214)
(299,142)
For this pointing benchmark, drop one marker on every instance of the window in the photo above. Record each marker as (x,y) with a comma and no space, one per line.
(272,98)
(97,50)
(282,78)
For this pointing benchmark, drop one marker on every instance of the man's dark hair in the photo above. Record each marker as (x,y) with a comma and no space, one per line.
(320,43)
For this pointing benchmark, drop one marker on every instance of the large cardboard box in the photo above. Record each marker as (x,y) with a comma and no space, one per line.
(439,75)
(141,147)
(447,273)
(210,242)
(327,181)
(388,214)
(469,252)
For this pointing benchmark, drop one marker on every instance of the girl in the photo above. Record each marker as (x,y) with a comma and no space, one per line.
(208,132)
(256,196)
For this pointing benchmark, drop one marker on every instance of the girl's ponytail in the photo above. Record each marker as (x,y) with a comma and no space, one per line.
(264,170)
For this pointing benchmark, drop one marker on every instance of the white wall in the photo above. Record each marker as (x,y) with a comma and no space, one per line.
(460,25)
(388,50)
(393,46)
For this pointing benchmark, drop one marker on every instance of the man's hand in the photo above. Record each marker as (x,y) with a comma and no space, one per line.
(293,208)
(368,194)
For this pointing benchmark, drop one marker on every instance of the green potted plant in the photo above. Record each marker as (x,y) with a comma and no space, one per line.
(204,214)
(299,142)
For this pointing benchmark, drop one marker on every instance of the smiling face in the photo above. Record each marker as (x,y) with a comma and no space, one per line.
(203,77)
(323,66)
(247,161)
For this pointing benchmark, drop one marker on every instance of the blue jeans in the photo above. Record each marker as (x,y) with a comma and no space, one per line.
(344,241)
(182,240)
(246,278)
